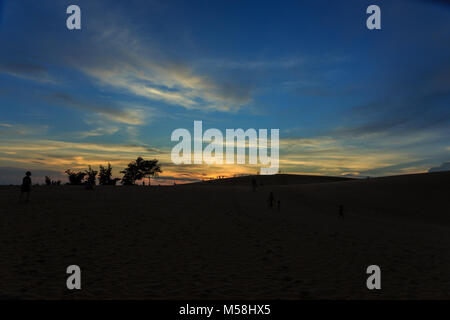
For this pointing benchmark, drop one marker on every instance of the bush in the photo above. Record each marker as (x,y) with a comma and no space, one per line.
(75,177)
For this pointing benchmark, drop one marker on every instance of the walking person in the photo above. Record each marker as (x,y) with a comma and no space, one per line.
(25,187)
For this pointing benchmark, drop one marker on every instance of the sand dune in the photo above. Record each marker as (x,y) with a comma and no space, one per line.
(267,180)
(215,241)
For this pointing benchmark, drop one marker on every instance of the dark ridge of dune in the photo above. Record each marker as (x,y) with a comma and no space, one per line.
(270,180)
(423,177)
(423,196)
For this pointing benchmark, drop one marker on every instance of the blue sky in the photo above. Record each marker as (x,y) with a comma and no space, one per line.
(347,100)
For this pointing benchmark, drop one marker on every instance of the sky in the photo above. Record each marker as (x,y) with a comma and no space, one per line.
(347,100)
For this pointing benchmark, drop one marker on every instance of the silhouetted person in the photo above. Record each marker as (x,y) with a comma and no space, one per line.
(279,205)
(270,200)
(341,211)
(26,186)
(254,184)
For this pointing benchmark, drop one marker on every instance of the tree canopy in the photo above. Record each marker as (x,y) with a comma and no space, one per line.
(75,177)
(139,169)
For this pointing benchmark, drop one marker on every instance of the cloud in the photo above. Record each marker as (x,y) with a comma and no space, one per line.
(169,82)
(443,167)
(98,132)
(418,101)
(23,68)
(74,147)
(17,129)
(121,57)
(253,64)
(26,70)
(375,156)
(128,116)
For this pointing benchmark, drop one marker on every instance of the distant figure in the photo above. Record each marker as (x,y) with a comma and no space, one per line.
(279,205)
(341,211)
(26,186)
(254,184)
(143,183)
(270,200)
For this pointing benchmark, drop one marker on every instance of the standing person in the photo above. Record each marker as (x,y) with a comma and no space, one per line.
(271,199)
(26,186)
(341,211)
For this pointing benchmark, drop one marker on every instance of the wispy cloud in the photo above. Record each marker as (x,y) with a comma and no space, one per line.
(119,56)
(74,147)
(374,155)
(103,131)
(253,64)
(172,83)
(443,167)
(128,116)
(26,70)
(18,129)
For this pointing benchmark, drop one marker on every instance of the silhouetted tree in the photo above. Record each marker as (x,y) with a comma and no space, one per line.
(140,169)
(48,181)
(104,175)
(91,176)
(130,174)
(75,178)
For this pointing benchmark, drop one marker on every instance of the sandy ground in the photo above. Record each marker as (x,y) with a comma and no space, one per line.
(222,241)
